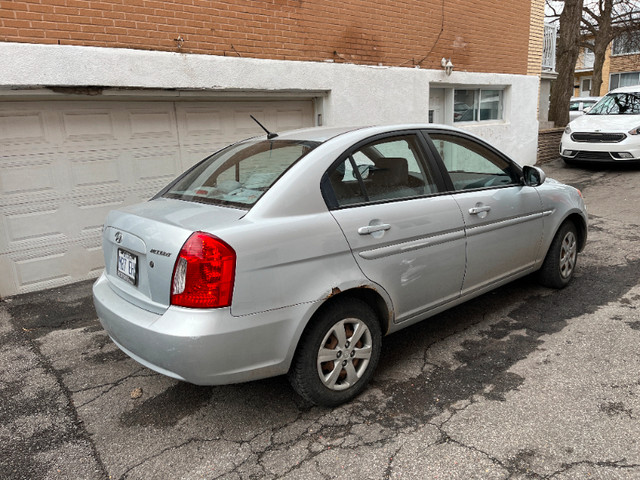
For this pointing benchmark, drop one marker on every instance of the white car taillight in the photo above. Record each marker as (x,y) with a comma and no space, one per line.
(204,273)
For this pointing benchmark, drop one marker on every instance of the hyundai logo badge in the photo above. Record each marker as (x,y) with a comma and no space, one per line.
(118,237)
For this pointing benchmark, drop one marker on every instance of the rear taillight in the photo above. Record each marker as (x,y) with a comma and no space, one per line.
(204,273)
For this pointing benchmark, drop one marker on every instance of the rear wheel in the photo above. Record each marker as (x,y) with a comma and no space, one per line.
(338,354)
(560,262)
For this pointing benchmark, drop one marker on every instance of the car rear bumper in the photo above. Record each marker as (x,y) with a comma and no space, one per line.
(205,347)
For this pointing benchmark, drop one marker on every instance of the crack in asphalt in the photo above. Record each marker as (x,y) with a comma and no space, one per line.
(446,438)
(389,470)
(109,386)
(591,463)
(482,374)
(189,441)
(494,339)
(44,402)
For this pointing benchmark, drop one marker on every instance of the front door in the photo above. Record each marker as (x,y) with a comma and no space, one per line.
(436,105)
(585,86)
(503,218)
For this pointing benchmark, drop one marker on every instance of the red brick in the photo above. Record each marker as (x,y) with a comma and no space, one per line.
(394,32)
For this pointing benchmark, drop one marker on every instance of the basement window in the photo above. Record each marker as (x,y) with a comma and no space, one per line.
(477,105)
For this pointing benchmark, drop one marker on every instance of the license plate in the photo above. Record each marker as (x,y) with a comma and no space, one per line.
(128,266)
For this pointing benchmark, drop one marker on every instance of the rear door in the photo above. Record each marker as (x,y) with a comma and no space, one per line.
(503,218)
(405,235)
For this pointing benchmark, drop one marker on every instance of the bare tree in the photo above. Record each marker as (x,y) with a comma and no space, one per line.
(602,22)
(591,24)
(567,50)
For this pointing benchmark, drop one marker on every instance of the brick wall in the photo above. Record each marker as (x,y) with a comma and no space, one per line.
(536,38)
(625,63)
(478,35)
(549,144)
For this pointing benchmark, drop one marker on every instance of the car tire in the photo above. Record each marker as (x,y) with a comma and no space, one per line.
(560,263)
(329,368)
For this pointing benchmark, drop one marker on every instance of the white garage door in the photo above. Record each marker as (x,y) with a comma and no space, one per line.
(65,164)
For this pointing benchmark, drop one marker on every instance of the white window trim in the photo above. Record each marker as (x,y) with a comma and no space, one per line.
(611,75)
(622,54)
(478,89)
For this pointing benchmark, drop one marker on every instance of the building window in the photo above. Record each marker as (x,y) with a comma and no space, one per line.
(624,80)
(477,105)
(586,59)
(627,43)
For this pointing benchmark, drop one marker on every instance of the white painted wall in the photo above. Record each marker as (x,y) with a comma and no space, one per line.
(351,94)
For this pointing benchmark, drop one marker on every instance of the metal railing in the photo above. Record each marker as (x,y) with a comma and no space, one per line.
(549,48)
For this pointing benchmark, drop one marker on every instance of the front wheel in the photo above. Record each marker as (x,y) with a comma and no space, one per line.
(560,262)
(338,354)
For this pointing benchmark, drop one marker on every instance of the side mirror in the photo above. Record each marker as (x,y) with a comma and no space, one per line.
(533,176)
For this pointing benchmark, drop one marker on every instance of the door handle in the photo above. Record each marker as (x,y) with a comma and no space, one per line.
(477,210)
(373,228)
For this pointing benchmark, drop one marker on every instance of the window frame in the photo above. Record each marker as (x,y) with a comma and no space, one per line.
(619,75)
(443,168)
(424,159)
(477,99)
(615,44)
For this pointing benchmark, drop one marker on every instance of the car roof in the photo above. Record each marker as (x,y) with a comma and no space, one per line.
(315,134)
(323,134)
(585,99)
(631,89)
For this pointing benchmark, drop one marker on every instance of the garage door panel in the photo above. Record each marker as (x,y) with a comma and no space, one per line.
(156,124)
(64,264)
(243,125)
(39,271)
(55,222)
(27,176)
(44,225)
(93,127)
(206,129)
(292,118)
(65,164)
(201,123)
(91,169)
(160,165)
(18,127)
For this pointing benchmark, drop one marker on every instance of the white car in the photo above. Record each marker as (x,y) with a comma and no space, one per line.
(581,105)
(608,132)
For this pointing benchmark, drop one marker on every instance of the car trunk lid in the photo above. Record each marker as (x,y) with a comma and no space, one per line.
(141,244)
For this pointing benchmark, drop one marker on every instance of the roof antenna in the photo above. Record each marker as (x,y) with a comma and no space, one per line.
(270,135)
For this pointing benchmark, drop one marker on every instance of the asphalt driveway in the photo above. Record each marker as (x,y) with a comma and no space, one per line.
(523,382)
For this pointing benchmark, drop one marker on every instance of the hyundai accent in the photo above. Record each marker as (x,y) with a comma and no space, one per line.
(297,253)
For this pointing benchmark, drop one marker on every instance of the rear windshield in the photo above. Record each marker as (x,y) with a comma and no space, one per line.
(617,104)
(239,174)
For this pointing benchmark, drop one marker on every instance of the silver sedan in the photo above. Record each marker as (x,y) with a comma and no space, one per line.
(296,253)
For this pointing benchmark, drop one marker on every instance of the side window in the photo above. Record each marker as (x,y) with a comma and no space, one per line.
(471,165)
(387,169)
